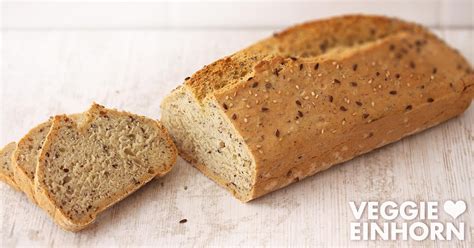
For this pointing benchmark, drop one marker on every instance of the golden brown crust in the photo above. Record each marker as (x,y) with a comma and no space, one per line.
(306,40)
(47,201)
(375,81)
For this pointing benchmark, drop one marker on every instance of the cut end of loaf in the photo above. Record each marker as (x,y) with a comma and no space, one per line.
(86,166)
(207,140)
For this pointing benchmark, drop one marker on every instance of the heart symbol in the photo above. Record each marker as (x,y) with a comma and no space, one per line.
(454,209)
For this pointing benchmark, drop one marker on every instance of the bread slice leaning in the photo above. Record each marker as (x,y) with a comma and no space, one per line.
(88,165)
(6,171)
(25,157)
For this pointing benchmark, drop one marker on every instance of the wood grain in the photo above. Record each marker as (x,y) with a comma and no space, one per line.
(50,72)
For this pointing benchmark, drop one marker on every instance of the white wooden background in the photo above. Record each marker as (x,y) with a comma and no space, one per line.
(58,57)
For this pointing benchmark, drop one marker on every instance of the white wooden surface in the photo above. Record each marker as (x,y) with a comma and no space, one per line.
(50,71)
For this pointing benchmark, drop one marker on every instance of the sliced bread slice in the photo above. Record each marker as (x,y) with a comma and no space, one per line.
(87,166)
(25,157)
(6,172)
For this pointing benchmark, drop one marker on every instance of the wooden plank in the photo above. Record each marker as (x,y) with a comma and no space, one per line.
(49,72)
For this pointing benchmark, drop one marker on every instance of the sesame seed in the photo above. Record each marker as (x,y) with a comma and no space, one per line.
(373,104)
(320,74)
(312,93)
(322,131)
(297,87)
(277,71)
(370,80)
(306,97)
(246,120)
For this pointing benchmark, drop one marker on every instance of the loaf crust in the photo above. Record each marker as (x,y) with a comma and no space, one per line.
(323,92)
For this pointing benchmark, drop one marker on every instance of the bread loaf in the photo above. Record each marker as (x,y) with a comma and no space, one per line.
(312,96)
(6,167)
(88,164)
